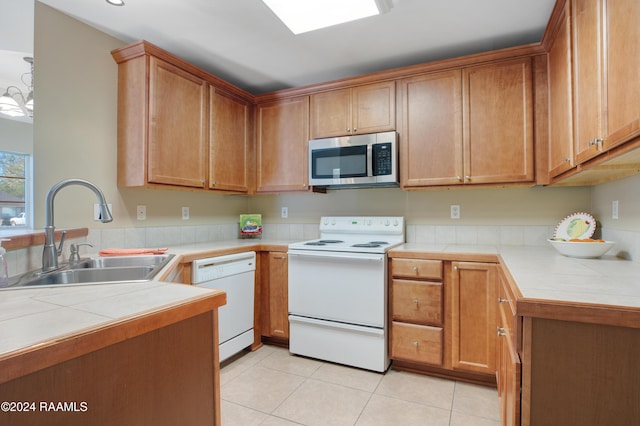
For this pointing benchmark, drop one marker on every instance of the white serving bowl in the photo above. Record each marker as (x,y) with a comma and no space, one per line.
(585,250)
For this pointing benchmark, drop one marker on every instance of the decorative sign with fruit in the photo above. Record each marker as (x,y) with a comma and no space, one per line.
(572,237)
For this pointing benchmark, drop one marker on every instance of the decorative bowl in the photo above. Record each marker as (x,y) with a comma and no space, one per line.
(584,250)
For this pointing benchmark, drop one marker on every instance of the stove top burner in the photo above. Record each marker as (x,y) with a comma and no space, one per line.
(323,242)
(366,245)
(379,242)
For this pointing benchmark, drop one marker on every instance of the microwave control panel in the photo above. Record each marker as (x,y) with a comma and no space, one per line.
(382,159)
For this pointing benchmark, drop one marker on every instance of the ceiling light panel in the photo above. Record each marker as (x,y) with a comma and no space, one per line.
(303,16)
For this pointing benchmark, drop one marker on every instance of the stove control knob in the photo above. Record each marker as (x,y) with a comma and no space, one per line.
(395,222)
(326,221)
(386,222)
(333,222)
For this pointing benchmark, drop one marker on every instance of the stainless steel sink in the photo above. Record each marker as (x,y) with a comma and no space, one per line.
(121,261)
(99,270)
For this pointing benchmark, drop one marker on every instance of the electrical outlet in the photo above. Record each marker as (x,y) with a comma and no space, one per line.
(614,209)
(185,213)
(96,211)
(141,212)
(284,212)
(455,211)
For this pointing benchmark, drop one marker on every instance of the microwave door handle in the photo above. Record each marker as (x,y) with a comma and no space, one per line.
(369,160)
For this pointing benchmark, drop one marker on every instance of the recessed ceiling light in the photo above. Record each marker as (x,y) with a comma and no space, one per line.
(116,2)
(309,15)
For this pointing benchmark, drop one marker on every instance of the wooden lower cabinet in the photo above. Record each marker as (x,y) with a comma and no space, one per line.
(167,376)
(576,373)
(418,343)
(508,374)
(275,301)
(473,317)
(443,317)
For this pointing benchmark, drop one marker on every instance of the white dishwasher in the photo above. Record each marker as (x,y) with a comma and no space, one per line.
(235,274)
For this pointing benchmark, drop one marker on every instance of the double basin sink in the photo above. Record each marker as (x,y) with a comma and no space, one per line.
(99,270)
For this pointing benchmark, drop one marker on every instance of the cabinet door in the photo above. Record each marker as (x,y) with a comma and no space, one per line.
(473,313)
(177,126)
(330,114)
(587,77)
(229,142)
(374,108)
(431,148)
(278,302)
(560,94)
(282,145)
(498,129)
(622,49)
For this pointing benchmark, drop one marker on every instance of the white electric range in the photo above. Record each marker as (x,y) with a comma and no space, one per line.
(338,291)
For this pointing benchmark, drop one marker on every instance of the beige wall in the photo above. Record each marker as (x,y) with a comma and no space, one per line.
(627,192)
(75,136)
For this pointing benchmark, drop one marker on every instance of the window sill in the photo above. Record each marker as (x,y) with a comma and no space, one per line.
(28,237)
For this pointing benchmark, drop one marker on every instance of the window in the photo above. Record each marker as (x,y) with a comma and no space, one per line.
(15,189)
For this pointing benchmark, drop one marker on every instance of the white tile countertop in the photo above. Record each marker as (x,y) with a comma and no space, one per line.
(32,316)
(541,273)
(35,315)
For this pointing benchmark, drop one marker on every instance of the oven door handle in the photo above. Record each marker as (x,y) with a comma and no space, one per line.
(364,257)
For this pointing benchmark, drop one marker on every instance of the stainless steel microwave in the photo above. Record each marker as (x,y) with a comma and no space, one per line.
(354,161)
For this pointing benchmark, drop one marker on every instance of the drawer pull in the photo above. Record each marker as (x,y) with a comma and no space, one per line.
(416,302)
(501,331)
(415,269)
(501,300)
(415,344)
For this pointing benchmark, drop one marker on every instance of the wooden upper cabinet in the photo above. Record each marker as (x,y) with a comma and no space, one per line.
(606,85)
(357,110)
(431,132)
(229,141)
(177,126)
(469,126)
(498,122)
(473,313)
(282,139)
(622,50)
(560,97)
(587,78)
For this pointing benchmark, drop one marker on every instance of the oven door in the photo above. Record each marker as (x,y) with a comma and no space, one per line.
(344,287)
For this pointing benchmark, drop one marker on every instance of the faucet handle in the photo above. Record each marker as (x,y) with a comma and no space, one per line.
(62,238)
(75,251)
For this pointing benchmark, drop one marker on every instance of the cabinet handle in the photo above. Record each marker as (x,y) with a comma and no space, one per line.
(280,257)
(501,300)
(348,130)
(501,331)
(459,178)
(355,130)
(415,269)
(455,268)
(416,302)
(415,343)
(467,177)
(566,159)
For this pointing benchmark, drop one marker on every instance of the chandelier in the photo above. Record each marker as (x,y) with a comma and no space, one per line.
(14,102)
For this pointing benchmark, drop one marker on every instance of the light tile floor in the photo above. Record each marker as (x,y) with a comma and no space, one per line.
(272,387)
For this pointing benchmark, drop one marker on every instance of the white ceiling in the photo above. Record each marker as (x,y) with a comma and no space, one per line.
(242,41)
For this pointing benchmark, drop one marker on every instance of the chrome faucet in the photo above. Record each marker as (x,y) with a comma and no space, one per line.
(50,253)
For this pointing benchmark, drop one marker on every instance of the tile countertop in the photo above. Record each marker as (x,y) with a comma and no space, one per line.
(40,315)
(582,288)
(36,316)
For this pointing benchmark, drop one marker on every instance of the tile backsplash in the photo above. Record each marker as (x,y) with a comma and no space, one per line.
(27,259)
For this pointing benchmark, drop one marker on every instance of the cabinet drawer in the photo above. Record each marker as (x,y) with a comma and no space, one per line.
(417,343)
(416,301)
(417,268)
